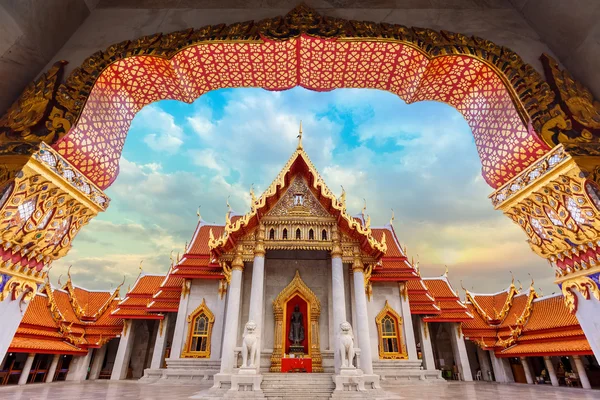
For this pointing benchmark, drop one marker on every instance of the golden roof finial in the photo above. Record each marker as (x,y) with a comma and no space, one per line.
(416,266)
(512,282)
(228,214)
(60,276)
(118,289)
(211,235)
(343,198)
(171,258)
(252,196)
(69,273)
(198,213)
(463,287)
(393,217)
(140,268)
(364,209)
(300,137)
(446,272)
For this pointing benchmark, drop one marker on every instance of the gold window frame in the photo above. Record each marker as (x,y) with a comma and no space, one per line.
(191,319)
(401,354)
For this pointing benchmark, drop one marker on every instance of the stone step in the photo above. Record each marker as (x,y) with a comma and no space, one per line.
(297,386)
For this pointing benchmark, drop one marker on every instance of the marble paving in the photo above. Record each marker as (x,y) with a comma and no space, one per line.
(98,390)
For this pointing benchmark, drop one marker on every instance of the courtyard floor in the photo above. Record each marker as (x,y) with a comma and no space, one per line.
(97,390)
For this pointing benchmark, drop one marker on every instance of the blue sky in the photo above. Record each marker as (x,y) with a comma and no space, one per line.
(418,159)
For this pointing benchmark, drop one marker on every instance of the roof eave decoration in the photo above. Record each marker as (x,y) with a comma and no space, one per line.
(498,317)
(227,239)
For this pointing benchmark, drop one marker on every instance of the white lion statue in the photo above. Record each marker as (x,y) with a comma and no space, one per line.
(250,345)
(346,344)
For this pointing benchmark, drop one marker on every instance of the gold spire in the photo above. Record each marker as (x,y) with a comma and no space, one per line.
(364,209)
(446,272)
(228,214)
(198,214)
(393,217)
(300,137)
(252,196)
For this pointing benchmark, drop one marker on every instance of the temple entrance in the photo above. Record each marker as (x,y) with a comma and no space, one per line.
(296,347)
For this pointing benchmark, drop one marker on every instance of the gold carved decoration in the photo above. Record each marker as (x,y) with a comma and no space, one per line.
(297,287)
(498,316)
(584,285)
(191,319)
(33,117)
(126,324)
(403,290)
(161,323)
(575,119)
(515,332)
(298,201)
(44,207)
(368,284)
(185,288)
(425,329)
(379,319)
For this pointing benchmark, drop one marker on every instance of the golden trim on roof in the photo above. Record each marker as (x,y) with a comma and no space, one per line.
(279,182)
(520,322)
(498,316)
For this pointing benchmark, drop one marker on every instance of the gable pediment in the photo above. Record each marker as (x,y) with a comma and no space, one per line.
(298,201)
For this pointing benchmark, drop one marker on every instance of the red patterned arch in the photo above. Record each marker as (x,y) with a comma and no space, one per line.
(506,145)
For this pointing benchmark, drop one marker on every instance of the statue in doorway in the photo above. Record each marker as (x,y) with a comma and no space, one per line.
(296,335)
(249,345)
(346,345)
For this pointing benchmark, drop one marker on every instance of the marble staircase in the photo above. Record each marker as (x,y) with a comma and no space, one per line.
(297,386)
(399,372)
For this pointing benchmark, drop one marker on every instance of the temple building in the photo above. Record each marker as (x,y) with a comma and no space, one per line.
(297,285)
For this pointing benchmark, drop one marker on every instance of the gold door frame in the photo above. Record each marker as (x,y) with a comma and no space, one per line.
(297,287)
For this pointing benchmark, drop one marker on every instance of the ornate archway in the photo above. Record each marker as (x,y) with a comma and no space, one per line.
(537,139)
(297,287)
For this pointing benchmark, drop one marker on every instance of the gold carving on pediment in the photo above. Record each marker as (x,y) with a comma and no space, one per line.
(298,201)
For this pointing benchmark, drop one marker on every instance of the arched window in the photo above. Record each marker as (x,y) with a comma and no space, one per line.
(389,327)
(311,234)
(284,236)
(324,235)
(272,234)
(200,324)
(298,234)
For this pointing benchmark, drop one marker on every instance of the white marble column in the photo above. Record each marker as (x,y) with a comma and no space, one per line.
(484,364)
(362,317)
(525,364)
(78,368)
(551,371)
(409,332)
(52,368)
(337,294)
(180,333)
(460,352)
(257,292)
(123,356)
(232,318)
(587,315)
(585,382)
(160,343)
(502,369)
(26,369)
(426,345)
(97,362)
(12,312)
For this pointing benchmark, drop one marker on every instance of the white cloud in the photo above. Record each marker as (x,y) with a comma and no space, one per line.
(162,133)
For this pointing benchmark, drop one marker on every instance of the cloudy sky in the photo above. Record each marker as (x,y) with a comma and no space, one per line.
(419,160)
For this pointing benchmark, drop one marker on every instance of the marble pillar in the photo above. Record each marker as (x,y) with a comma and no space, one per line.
(123,356)
(426,345)
(460,352)
(180,333)
(484,364)
(78,368)
(257,291)
(525,364)
(160,343)
(12,312)
(97,362)
(587,315)
(362,318)
(502,369)
(232,318)
(551,371)
(580,369)
(52,368)
(338,296)
(26,369)
(409,332)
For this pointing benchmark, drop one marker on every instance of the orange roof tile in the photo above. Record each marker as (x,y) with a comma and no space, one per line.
(199,244)
(91,301)
(448,316)
(38,313)
(23,345)
(556,347)
(393,249)
(440,288)
(146,285)
(550,312)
